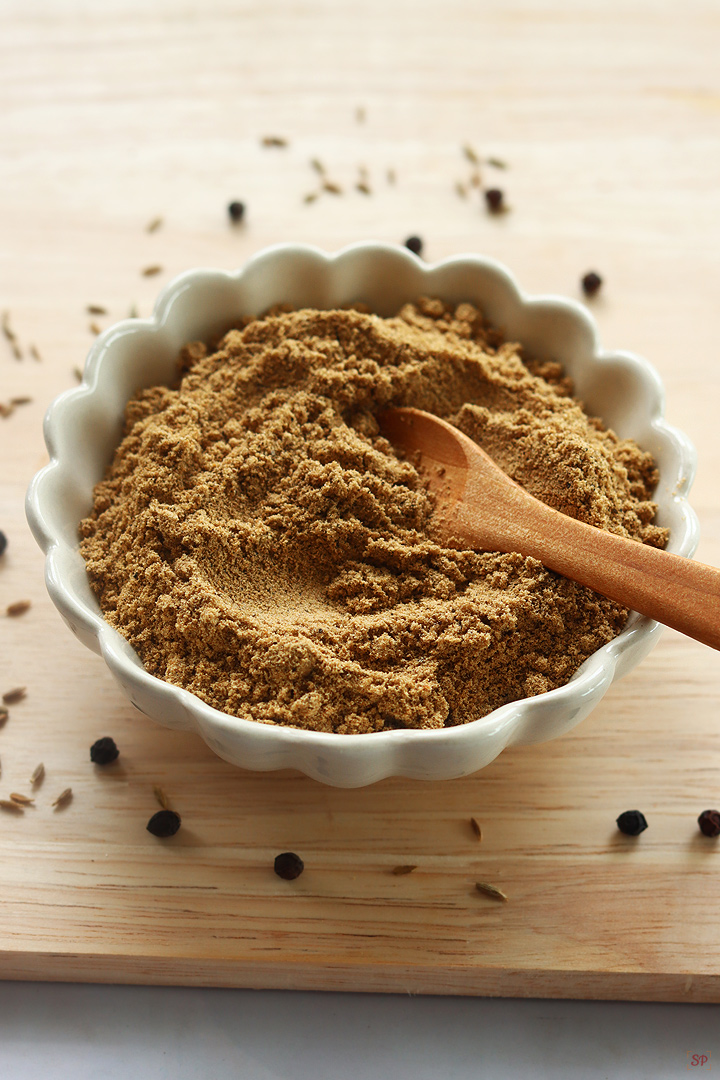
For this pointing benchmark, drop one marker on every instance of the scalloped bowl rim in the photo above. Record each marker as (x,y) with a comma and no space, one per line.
(354,760)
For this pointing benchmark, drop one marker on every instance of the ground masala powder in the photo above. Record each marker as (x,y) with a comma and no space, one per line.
(259,543)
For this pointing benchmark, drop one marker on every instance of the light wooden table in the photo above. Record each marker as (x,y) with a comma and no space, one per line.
(607,117)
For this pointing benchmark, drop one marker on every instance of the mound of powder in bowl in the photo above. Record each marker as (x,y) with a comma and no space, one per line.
(260,544)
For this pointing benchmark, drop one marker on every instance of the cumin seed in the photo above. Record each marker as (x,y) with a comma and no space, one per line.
(13,807)
(470,153)
(38,775)
(490,890)
(34,352)
(318,166)
(63,798)
(4,714)
(161,797)
(20,401)
(96,309)
(497,163)
(18,608)
(363,187)
(399,871)
(21,800)
(13,696)
(154,225)
(310,197)
(332,188)
(273,140)
(95,329)
(475,826)
(6,329)
(151,271)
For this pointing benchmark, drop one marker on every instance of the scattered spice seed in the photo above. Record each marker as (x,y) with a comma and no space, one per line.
(461,189)
(133,312)
(96,309)
(18,608)
(364,188)
(38,775)
(474,825)
(20,401)
(709,822)
(104,751)
(490,890)
(34,352)
(399,871)
(360,114)
(310,197)
(154,225)
(332,188)
(78,374)
(317,166)
(13,696)
(7,331)
(151,271)
(63,798)
(6,410)
(470,154)
(273,140)
(497,163)
(591,283)
(414,244)
(632,823)
(94,328)
(391,176)
(495,200)
(161,797)
(163,824)
(3,542)
(21,800)
(288,865)
(4,714)
(236,211)
(17,351)
(476,179)
(8,804)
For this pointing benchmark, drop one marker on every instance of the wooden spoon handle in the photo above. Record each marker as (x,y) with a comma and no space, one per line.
(676,591)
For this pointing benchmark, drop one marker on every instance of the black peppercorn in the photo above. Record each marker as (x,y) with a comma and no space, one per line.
(709,822)
(632,823)
(288,865)
(104,751)
(236,210)
(591,283)
(495,200)
(3,542)
(164,823)
(414,244)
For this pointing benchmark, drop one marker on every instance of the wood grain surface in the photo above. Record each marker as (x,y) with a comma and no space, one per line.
(607,117)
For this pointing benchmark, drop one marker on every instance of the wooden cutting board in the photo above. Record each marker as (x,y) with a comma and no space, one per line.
(613,167)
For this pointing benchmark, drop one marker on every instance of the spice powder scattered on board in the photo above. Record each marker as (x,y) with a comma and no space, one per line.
(259,543)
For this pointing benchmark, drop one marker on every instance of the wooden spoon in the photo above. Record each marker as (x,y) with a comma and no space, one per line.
(480,507)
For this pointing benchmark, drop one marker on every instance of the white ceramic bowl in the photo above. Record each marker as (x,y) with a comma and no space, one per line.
(84,425)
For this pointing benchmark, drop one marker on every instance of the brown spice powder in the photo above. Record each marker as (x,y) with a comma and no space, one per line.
(259,543)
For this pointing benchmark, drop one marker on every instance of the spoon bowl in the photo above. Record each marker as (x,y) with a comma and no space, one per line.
(479,506)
